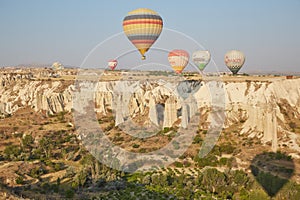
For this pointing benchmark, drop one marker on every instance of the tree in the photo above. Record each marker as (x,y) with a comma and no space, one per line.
(80,179)
(11,152)
(46,146)
(213,180)
(27,142)
(20,180)
(88,162)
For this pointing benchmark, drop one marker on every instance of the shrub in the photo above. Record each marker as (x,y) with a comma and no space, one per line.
(143,150)
(58,166)
(27,141)
(187,164)
(197,139)
(223,161)
(69,193)
(209,160)
(166,129)
(12,152)
(20,180)
(178,164)
(36,172)
(227,148)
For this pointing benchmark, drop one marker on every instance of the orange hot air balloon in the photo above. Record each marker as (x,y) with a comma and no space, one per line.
(178,60)
(112,64)
(142,27)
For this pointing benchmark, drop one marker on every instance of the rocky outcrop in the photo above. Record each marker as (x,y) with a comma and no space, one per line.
(39,95)
(170,113)
(259,106)
(153,115)
(119,111)
(263,107)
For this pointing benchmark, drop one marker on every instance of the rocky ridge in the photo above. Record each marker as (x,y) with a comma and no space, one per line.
(263,108)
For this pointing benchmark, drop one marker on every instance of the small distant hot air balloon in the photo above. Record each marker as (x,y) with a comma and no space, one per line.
(178,60)
(112,64)
(57,66)
(201,59)
(142,27)
(234,60)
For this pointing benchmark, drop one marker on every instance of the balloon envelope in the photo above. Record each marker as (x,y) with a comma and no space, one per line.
(201,59)
(234,60)
(142,27)
(112,64)
(57,66)
(178,60)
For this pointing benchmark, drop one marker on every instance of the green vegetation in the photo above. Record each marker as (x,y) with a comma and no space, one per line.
(56,166)
(272,170)
(197,139)
(135,145)
(12,152)
(209,184)
(20,180)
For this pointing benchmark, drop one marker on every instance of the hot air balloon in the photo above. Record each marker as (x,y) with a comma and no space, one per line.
(234,60)
(178,60)
(142,27)
(201,59)
(112,64)
(57,66)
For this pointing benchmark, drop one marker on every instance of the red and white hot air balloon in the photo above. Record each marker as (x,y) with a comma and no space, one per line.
(178,60)
(112,64)
(234,60)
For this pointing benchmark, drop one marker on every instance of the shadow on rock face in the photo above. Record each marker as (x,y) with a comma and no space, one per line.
(272,170)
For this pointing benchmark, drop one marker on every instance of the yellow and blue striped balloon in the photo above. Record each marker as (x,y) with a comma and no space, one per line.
(142,27)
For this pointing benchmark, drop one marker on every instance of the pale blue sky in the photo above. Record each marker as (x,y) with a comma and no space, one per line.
(39,31)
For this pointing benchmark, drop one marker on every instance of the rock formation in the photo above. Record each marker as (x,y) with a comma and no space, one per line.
(170,113)
(153,112)
(184,115)
(261,107)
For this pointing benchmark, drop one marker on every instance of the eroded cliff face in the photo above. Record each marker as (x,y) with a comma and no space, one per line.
(41,95)
(261,108)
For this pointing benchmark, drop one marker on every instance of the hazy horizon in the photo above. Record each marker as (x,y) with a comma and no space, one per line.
(66,31)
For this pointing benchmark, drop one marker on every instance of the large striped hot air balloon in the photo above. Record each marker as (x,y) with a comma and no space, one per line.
(112,64)
(201,59)
(142,27)
(234,60)
(178,60)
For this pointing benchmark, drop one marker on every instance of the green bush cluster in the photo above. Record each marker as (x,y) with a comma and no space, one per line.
(209,184)
(53,142)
